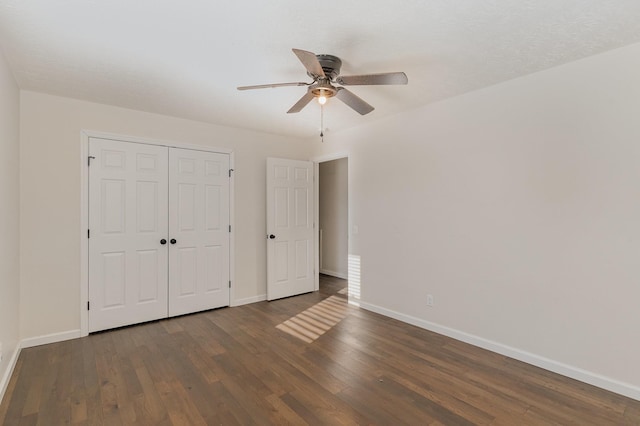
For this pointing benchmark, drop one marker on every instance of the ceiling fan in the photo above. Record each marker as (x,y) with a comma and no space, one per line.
(325,71)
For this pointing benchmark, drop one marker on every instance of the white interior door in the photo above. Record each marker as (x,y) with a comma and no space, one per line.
(127,222)
(198,230)
(290,256)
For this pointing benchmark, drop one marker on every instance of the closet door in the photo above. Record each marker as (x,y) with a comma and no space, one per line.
(198,231)
(127,223)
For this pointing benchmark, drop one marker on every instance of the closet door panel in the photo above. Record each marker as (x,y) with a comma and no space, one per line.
(128,185)
(199,225)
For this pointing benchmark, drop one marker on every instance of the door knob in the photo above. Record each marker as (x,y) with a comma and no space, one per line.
(163,241)
(173,241)
(271,236)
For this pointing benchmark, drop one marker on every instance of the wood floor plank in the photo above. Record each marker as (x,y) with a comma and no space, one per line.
(233,366)
(289,415)
(631,415)
(79,414)
(10,393)
(55,405)
(32,401)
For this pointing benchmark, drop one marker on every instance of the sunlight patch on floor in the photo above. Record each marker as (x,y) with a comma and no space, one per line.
(354,279)
(312,323)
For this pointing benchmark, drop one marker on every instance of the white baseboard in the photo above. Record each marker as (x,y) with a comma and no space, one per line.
(248,300)
(333,273)
(622,388)
(50,338)
(4,383)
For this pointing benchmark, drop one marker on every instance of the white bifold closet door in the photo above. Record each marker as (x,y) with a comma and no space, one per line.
(199,225)
(159,232)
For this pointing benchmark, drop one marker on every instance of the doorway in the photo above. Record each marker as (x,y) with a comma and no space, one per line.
(333,218)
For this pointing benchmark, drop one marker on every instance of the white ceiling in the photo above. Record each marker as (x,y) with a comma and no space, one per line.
(186,58)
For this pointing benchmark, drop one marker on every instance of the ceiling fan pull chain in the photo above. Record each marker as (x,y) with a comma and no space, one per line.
(322,123)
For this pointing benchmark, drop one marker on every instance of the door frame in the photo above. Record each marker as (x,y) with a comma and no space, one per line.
(316,208)
(84,209)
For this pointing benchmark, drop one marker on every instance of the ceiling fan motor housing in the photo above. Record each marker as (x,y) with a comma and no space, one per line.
(330,65)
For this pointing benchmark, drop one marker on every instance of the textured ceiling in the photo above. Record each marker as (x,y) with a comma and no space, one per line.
(185,58)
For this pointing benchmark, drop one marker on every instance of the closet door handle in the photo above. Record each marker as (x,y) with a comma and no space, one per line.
(163,241)
(173,241)
(271,237)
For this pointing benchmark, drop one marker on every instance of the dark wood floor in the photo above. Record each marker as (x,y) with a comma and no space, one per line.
(348,366)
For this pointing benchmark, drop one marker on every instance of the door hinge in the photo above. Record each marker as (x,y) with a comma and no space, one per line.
(88,305)
(89,159)
(230,170)
(229,228)
(229,283)
(88,233)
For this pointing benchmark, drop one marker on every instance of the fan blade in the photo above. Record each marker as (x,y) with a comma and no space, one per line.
(353,101)
(310,62)
(301,103)
(373,79)
(267,86)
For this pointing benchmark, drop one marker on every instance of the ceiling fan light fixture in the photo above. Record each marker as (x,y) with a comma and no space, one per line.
(322,91)
(322,98)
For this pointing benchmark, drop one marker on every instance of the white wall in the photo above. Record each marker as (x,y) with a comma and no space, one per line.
(333,217)
(50,198)
(9,218)
(518,208)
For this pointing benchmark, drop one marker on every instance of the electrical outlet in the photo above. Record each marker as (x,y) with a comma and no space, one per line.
(430,300)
